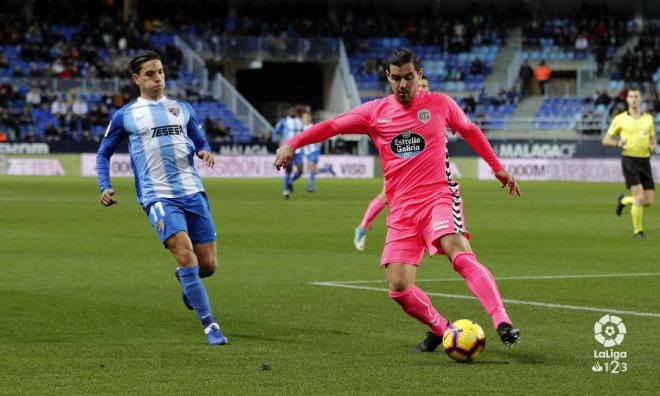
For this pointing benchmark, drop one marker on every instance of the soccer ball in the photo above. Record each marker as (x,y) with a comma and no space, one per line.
(464,340)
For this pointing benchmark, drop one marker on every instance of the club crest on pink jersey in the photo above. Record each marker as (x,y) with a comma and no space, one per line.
(407,144)
(424,115)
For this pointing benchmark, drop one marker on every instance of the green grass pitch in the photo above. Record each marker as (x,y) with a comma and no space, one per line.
(89,303)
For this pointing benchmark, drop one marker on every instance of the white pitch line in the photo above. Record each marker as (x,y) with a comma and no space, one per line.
(519,302)
(530,277)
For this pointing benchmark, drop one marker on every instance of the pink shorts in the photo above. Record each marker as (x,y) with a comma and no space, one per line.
(413,229)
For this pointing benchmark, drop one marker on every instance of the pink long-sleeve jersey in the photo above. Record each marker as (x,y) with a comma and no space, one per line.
(412,141)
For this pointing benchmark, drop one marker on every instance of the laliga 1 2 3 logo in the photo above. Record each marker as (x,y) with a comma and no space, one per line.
(610,332)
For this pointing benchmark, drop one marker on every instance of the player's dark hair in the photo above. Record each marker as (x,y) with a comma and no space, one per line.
(142,57)
(401,56)
(637,88)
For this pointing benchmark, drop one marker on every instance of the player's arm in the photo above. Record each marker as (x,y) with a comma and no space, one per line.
(609,139)
(278,132)
(475,137)
(196,133)
(356,121)
(653,141)
(114,134)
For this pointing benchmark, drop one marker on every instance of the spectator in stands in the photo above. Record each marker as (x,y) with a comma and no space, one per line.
(48,71)
(25,120)
(460,74)
(28,136)
(512,97)
(470,104)
(477,67)
(104,114)
(6,94)
(33,95)
(216,131)
(18,72)
(602,98)
(451,73)
(96,115)
(590,123)
(79,113)
(86,136)
(542,73)
(9,123)
(35,71)
(525,76)
(3,136)
(209,127)
(214,65)
(4,63)
(581,45)
(51,133)
(79,107)
(58,67)
(59,109)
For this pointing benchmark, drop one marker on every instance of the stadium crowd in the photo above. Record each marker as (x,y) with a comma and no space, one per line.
(81,46)
(642,63)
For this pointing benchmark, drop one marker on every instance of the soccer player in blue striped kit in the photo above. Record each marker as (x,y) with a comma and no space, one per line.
(163,135)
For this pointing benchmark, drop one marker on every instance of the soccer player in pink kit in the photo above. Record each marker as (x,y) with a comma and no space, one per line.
(409,129)
(379,203)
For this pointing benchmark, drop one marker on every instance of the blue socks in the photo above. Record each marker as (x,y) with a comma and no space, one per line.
(194,289)
(312,181)
(287,182)
(296,176)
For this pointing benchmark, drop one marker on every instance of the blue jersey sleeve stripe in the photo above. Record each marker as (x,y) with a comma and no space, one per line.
(113,136)
(195,131)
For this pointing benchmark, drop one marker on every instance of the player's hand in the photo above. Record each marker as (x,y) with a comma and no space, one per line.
(107,198)
(507,180)
(207,157)
(621,143)
(283,156)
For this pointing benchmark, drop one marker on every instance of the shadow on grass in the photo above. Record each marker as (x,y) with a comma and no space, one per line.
(499,358)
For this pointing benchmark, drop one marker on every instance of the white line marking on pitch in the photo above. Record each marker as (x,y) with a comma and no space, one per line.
(346,285)
(530,277)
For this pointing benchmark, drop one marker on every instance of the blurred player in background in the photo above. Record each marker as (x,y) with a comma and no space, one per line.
(286,128)
(312,153)
(163,135)
(637,142)
(409,128)
(380,201)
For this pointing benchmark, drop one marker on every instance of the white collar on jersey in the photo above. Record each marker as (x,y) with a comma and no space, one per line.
(143,100)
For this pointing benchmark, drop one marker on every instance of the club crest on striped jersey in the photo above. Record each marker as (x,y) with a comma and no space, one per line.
(174,110)
(424,115)
(407,144)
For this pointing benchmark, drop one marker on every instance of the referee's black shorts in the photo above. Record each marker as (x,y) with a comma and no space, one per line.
(637,171)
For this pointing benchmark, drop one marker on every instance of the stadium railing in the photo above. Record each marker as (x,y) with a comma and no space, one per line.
(194,63)
(267,48)
(222,90)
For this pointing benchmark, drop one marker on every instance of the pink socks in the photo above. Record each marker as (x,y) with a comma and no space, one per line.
(482,284)
(418,305)
(375,206)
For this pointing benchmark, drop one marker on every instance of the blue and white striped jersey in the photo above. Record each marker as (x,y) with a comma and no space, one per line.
(163,135)
(288,127)
(311,148)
